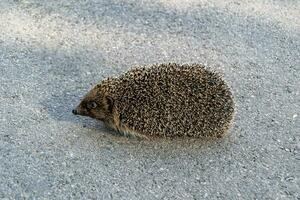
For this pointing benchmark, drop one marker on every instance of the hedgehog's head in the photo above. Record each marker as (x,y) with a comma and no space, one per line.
(97,104)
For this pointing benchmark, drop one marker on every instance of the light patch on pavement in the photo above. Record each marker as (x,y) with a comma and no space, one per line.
(272,11)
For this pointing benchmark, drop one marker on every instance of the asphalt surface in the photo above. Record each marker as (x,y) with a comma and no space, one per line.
(51,52)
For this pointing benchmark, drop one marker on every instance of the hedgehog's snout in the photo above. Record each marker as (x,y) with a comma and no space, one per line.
(74,111)
(79,110)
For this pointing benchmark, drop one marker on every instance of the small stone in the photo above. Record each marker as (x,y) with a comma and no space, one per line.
(294,116)
(289,178)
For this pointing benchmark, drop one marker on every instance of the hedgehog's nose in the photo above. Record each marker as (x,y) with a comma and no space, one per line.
(74,112)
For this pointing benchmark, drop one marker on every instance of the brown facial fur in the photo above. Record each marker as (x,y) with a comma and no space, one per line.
(96,104)
(164,100)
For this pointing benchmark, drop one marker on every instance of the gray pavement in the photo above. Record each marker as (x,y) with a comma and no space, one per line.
(51,52)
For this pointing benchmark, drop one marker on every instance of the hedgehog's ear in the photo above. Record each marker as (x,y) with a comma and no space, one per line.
(110,103)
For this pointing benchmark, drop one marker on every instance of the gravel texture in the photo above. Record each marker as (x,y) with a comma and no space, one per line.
(51,52)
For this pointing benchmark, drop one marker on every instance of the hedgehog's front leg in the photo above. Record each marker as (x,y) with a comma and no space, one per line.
(131,133)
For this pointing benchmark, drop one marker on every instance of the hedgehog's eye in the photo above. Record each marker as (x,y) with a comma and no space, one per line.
(91,105)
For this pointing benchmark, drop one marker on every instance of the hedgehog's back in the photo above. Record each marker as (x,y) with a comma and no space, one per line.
(174,100)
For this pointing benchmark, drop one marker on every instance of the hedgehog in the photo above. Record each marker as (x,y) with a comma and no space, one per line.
(168,100)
